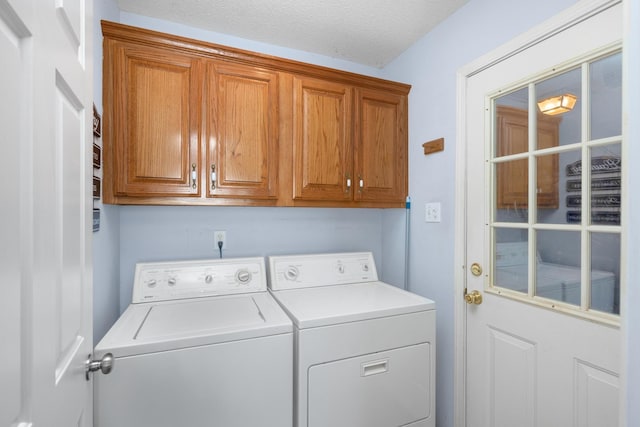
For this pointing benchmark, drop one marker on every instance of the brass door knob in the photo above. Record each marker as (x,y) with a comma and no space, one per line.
(474,297)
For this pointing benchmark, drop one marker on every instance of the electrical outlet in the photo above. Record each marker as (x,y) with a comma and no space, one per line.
(220,236)
(432,212)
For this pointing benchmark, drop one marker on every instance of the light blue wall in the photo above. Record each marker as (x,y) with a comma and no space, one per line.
(150,233)
(106,242)
(430,66)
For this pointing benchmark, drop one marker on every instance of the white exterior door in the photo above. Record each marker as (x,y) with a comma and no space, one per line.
(45,159)
(542,232)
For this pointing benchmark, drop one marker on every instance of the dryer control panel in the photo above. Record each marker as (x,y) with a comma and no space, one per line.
(305,271)
(162,281)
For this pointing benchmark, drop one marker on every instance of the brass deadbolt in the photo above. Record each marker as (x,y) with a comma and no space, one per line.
(476,270)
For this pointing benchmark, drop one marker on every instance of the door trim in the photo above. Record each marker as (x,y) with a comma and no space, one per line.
(574,15)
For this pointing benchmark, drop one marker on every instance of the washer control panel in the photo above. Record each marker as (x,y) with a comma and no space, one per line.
(161,281)
(304,271)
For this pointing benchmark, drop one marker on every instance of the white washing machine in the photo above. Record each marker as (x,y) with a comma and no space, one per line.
(364,353)
(202,344)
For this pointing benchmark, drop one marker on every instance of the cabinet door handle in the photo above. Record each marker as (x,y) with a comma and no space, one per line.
(213,177)
(194,176)
(360,183)
(348,183)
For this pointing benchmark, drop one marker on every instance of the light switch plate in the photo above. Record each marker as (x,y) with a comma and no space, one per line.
(432,212)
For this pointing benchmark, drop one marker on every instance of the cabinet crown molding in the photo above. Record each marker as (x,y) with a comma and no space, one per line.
(143,36)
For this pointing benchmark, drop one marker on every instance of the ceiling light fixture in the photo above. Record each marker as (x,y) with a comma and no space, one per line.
(557,104)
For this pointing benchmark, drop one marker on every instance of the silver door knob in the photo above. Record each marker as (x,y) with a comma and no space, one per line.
(105,365)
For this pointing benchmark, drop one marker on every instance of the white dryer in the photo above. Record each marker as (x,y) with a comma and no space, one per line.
(202,344)
(364,353)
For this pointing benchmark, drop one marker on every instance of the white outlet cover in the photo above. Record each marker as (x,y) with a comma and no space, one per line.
(432,212)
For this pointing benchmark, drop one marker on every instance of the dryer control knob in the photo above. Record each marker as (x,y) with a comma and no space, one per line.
(171,281)
(208,278)
(152,283)
(243,276)
(292,273)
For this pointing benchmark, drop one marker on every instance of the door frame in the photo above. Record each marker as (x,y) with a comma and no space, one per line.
(579,12)
(630,247)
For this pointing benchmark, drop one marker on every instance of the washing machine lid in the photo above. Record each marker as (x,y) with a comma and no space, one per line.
(329,305)
(170,325)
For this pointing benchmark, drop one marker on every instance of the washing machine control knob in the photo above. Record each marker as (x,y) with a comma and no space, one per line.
(152,283)
(208,278)
(243,276)
(171,281)
(365,267)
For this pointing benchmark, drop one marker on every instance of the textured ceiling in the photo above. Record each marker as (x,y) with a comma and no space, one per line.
(369,32)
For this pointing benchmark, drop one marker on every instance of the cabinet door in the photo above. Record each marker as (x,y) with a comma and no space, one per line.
(322,142)
(381,147)
(242,132)
(157,97)
(512,176)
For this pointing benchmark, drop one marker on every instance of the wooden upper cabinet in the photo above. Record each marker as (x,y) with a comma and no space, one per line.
(190,122)
(242,131)
(322,140)
(512,177)
(156,103)
(348,151)
(380,147)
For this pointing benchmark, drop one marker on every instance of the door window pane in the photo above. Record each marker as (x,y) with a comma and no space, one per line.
(511,123)
(567,188)
(559,103)
(605,272)
(512,131)
(605,77)
(606,196)
(512,189)
(547,181)
(558,275)
(511,259)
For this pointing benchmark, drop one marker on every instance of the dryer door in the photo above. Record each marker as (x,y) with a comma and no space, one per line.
(389,388)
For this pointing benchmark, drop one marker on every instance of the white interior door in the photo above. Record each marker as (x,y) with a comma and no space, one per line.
(45,159)
(543,344)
